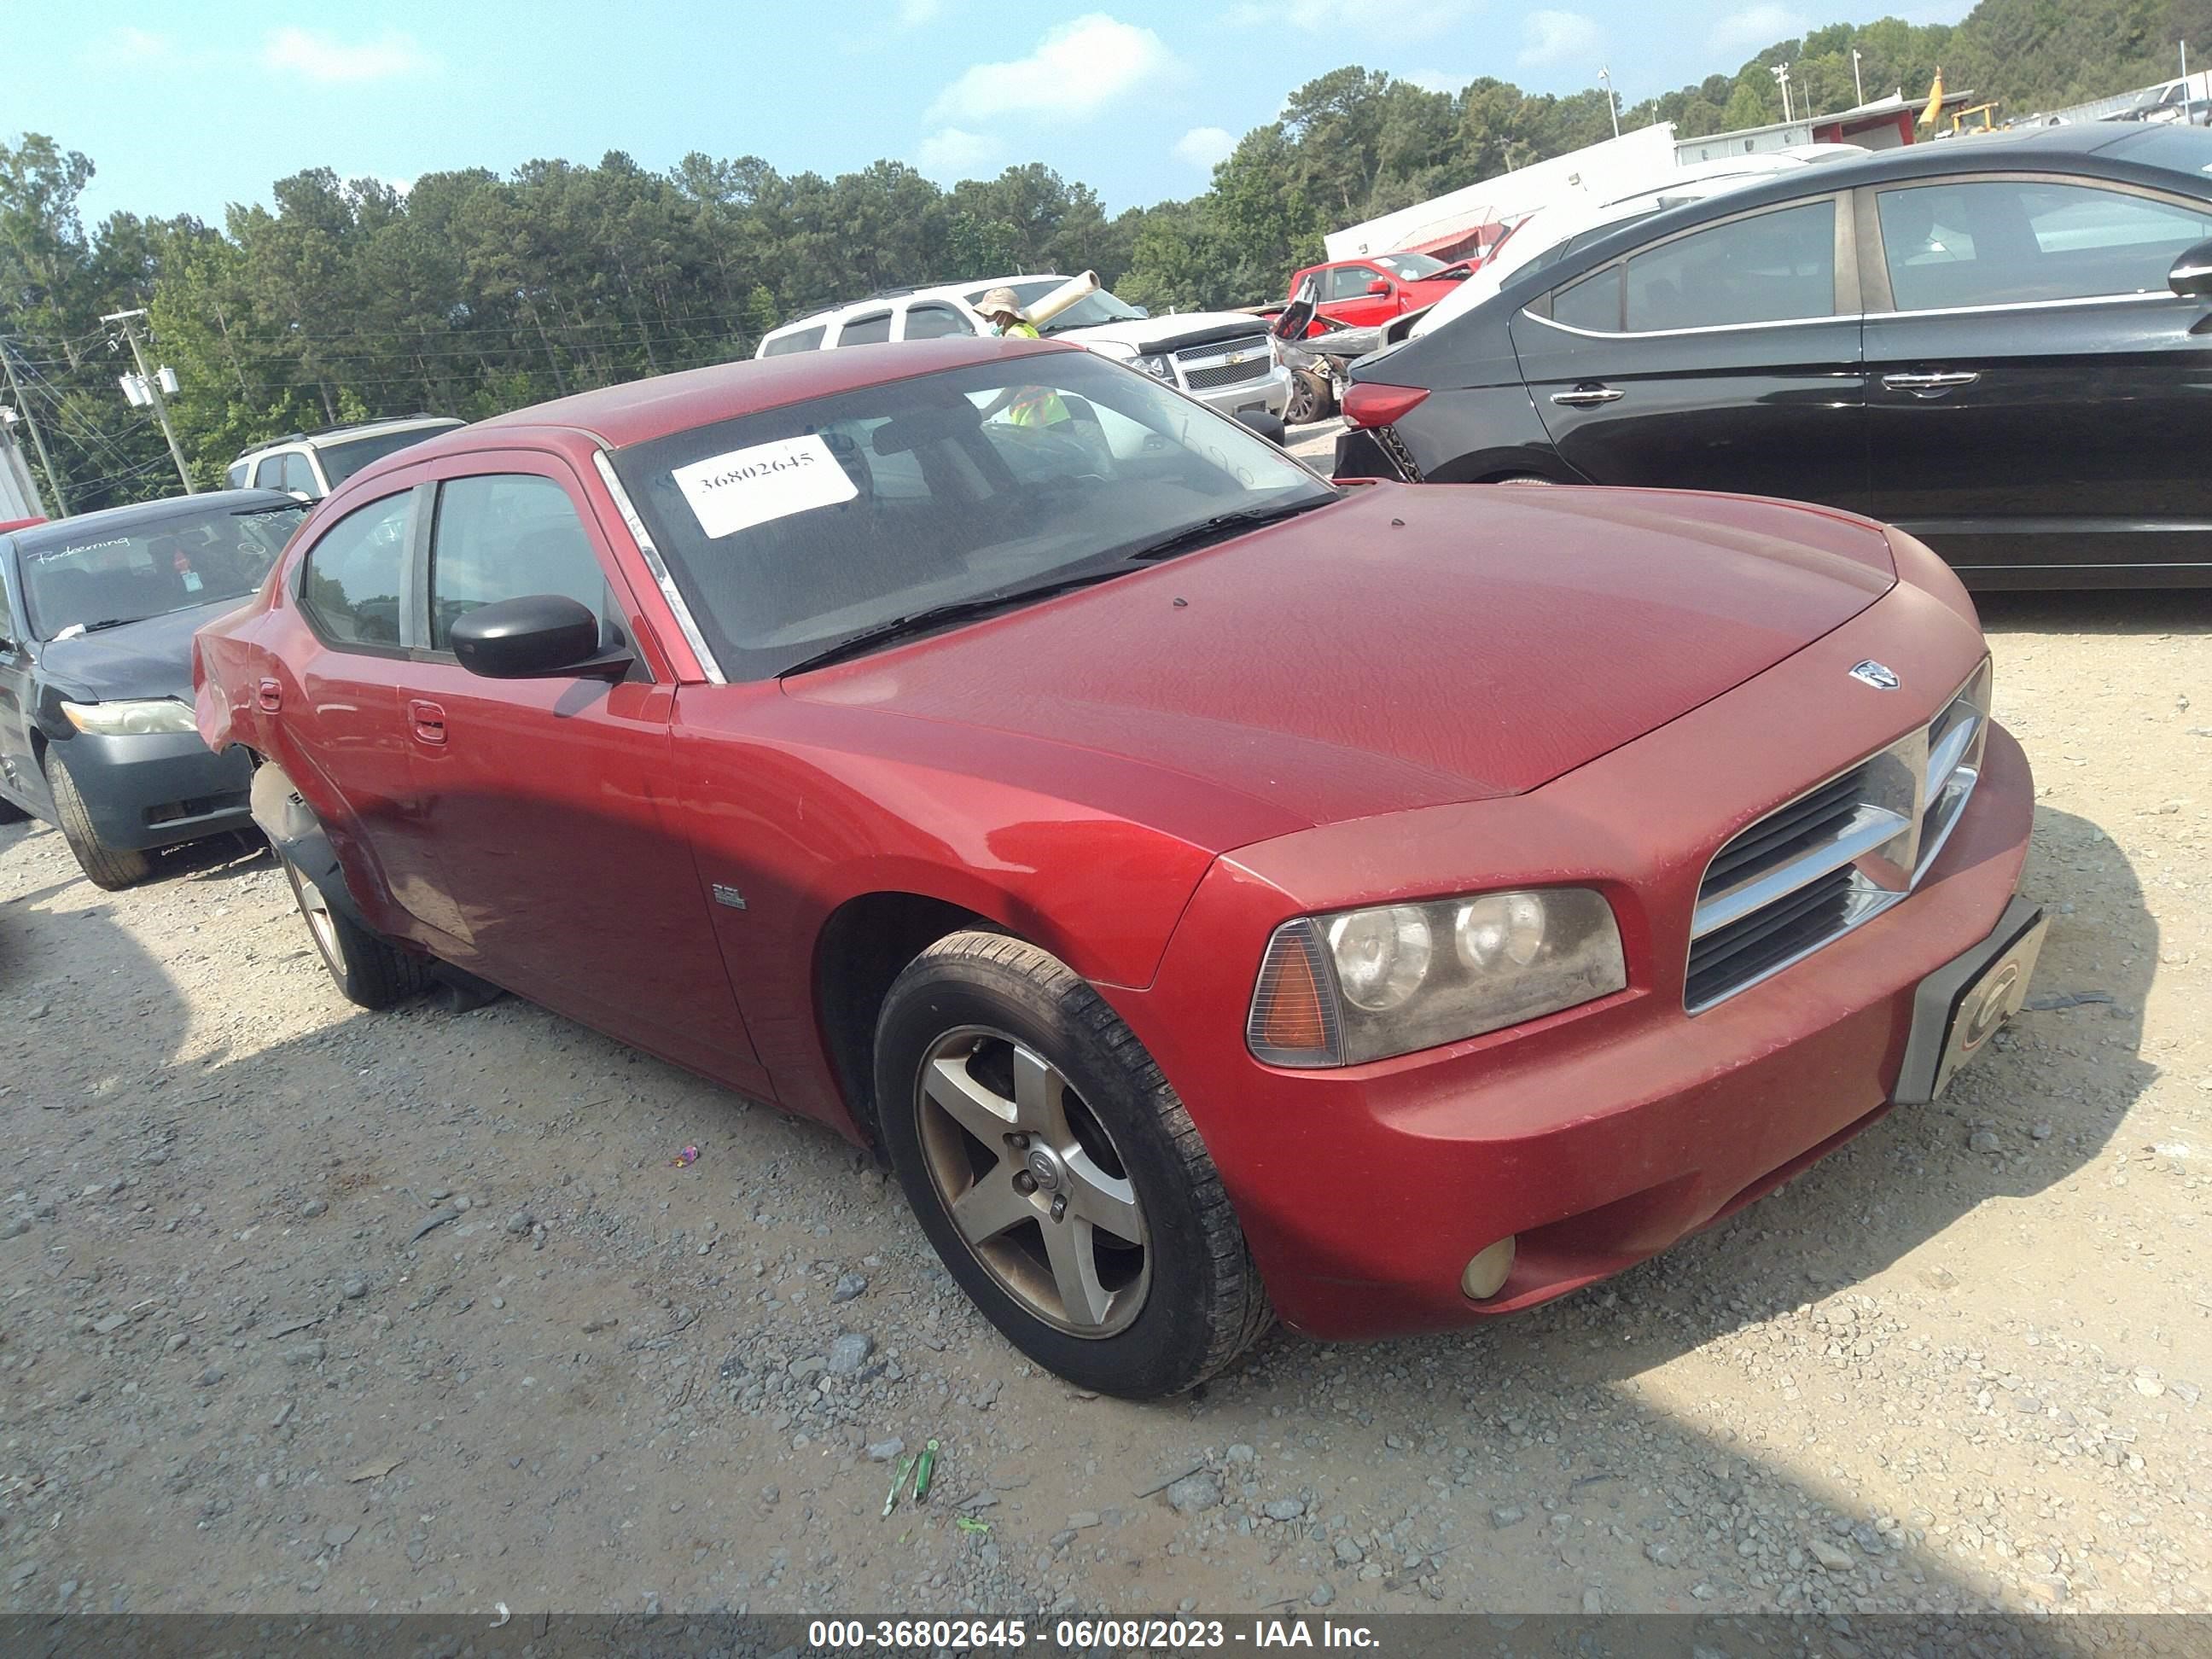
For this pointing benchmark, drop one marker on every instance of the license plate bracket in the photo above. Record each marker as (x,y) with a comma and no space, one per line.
(1962,1005)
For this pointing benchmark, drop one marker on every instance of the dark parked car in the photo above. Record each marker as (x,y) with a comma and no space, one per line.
(96,733)
(1214,890)
(2001,345)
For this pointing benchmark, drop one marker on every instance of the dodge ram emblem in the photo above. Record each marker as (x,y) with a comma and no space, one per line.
(1879,676)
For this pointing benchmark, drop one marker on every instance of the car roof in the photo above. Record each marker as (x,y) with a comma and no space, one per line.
(347,429)
(2022,149)
(887,297)
(140,515)
(639,411)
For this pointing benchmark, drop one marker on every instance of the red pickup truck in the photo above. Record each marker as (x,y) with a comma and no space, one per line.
(1365,293)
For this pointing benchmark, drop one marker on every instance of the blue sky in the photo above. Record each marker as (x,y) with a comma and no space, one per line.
(186,106)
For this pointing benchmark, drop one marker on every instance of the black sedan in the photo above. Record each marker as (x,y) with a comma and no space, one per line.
(2002,345)
(96,733)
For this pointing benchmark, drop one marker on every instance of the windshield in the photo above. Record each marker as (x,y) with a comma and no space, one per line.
(792,530)
(1087,312)
(1409,267)
(173,564)
(342,460)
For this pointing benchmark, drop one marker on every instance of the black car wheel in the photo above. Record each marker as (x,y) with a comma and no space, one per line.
(108,868)
(1057,1173)
(1311,399)
(370,970)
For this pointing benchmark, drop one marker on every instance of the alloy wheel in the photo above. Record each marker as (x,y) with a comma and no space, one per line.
(317,910)
(1033,1181)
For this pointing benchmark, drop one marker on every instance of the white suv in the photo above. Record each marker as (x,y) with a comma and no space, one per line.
(311,465)
(1226,359)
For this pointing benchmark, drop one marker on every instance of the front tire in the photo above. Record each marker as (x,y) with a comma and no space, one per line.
(1057,1174)
(111,869)
(1311,399)
(369,969)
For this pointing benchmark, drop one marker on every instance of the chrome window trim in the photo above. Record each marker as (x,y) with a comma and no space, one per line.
(1703,328)
(2027,305)
(658,566)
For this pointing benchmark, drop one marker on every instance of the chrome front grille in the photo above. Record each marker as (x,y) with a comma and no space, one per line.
(1203,368)
(1837,855)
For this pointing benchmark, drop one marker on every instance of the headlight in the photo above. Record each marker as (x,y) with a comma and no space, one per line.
(124,720)
(1160,367)
(1361,985)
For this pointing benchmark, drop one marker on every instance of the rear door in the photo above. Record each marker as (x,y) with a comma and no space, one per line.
(1725,356)
(20,778)
(548,801)
(2037,394)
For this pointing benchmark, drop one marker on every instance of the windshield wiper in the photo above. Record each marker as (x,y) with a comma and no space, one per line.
(1222,525)
(940,616)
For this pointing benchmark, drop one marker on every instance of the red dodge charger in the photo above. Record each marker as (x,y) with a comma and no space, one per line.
(1220,894)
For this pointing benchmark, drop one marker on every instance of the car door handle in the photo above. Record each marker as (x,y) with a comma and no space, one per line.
(269,696)
(1942,382)
(428,720)
(1586,397)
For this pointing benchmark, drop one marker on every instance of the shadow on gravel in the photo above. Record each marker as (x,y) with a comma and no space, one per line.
(2133,611)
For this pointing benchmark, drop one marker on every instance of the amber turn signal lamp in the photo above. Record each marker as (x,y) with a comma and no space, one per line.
(1293,1018)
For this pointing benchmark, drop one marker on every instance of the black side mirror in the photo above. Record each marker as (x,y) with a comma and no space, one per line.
(1268,426)
(538,636)
(2192,272)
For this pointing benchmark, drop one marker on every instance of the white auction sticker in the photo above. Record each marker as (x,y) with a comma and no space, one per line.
(746,487)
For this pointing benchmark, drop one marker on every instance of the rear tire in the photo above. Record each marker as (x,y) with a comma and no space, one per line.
(993,1060)
(111,869)
(369,969)
(1311,399)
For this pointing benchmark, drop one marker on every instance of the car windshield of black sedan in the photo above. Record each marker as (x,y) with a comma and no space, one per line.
(795,529)
(104,580)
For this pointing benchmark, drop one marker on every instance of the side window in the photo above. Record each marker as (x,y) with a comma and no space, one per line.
(351,580)
(234,475)
(1768,268)
(805,339)
(502,536)
(2007,242)
(299,475)
(269,474)
(934,322)
(871,329)
(1350,281)
(1594,303)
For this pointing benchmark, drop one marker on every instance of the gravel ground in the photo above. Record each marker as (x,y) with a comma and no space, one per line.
(310,1308)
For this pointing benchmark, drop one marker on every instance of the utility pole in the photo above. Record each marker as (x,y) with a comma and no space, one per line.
(1780,73)
(1612,103)
(153,384)
(1858,86)
(38,438)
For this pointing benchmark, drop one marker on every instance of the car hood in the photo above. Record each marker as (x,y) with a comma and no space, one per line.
(1169,333)
(1408,646)
(147,659)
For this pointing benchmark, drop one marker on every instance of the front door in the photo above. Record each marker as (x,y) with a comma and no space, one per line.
(1351,297)
(2036,395)
(1725,357)
(548,802)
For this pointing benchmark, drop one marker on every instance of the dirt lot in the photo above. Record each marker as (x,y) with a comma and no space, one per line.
(1956,1366)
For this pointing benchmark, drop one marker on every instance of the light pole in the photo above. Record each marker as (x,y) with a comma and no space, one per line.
(151,385)
(1857,85)
(1780,73)
(1612,108)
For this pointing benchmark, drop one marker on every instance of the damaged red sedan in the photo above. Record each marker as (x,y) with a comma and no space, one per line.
(1221,895)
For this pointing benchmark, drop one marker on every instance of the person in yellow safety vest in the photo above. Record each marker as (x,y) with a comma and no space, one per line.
(1027,405)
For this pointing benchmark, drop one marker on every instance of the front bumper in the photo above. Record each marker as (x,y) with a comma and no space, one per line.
(1271,393)
(1597,1137)
(157,790)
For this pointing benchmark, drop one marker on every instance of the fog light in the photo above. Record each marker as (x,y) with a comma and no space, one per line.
(1486,1275)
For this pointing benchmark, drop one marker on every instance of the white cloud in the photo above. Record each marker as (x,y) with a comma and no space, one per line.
(326,58)
(1205,148)
(1408,19)
(1436,79)
(1557,37)
(913,13)
(1076,70)
(951,153)
(1757,27)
